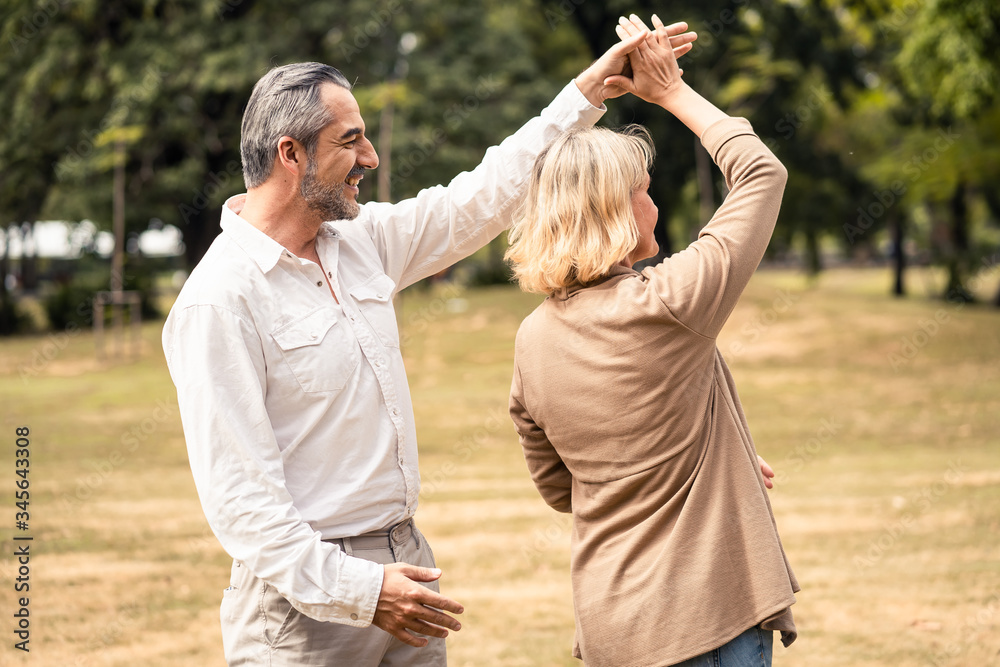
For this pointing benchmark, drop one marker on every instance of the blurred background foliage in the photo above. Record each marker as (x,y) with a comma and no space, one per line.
(884,111)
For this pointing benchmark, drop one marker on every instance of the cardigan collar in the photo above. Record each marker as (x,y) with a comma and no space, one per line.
(617,270)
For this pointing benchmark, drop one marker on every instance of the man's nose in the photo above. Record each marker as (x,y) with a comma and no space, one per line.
(368,158)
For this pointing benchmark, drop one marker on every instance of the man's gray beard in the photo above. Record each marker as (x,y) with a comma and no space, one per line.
(328,201)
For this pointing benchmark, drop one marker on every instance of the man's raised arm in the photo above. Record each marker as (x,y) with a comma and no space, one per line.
(419,237)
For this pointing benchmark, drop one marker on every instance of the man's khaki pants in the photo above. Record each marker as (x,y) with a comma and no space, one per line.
(261,628)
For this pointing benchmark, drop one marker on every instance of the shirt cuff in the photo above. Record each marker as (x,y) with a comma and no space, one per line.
(357,589)
(361,581)
(584,99)
(574,106)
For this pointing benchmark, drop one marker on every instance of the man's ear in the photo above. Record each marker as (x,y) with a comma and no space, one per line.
(291,156)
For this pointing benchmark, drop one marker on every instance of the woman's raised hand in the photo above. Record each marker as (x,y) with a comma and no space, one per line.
(681,40)
(655,74)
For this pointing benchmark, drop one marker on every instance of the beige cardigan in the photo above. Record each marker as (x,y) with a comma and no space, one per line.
(629,418)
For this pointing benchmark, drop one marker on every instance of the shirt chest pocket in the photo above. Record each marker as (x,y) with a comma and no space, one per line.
(320,351)
(374,299)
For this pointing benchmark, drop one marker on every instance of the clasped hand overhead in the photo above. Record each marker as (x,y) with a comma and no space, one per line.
(642,63)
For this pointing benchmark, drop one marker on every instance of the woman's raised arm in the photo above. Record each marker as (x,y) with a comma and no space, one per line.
(701,284)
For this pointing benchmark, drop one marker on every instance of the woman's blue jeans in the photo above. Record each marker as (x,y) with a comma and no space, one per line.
(750,649)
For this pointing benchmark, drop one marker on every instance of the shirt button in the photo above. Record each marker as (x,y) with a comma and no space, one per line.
(319,283)
(378,364)
(395,412)
(354,617)
(313,335)
(379,296)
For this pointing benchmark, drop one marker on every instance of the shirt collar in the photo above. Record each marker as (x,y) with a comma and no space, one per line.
(261,248)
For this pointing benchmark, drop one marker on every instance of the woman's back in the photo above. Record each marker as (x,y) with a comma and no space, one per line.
(610,365)
(629,418)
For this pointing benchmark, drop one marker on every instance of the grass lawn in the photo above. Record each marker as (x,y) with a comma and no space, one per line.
(881,417)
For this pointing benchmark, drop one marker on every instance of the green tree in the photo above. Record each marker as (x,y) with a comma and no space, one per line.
(950,59)
(170,77)
(784,67)
(925,128)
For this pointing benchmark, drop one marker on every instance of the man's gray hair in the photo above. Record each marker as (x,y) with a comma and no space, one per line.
(286,101)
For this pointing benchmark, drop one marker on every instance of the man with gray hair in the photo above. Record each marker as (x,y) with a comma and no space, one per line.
(284,349)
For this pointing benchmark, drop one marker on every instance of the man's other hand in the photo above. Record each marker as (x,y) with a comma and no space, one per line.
(406,608)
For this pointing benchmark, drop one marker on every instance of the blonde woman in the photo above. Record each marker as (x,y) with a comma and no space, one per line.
(625,408)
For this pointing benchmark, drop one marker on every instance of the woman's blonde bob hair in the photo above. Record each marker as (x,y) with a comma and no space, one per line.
(576,221)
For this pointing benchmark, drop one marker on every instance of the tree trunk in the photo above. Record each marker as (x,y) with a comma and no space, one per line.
(496,250)
(199,234)
(814,263)
(992,200)
(662,234)
(385,151)
(199,222)
(29,260)
(897,228)
(959,249)
(7,324)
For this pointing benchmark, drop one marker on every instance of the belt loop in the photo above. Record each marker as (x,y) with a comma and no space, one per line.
(347,546)
(401,532)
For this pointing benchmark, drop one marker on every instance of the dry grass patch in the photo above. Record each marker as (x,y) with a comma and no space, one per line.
(888,494)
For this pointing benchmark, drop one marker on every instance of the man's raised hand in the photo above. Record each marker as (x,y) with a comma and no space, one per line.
(655,76)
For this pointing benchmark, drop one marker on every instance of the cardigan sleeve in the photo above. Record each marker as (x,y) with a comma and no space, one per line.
(551,476)
(702,283)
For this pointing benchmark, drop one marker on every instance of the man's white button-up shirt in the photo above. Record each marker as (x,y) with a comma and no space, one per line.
(296,409)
